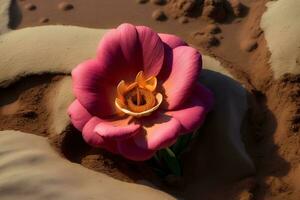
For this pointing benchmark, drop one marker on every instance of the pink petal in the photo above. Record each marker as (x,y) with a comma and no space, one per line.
(172,41)
(92,91)
(117,129)
(128,50)
(205,94)
(185,70)
(78,114)
(120,52)
(129,42)
(167,66)
(130,150)
(90,136)
(94,139)
(159,131)
(192,114)
(152,50)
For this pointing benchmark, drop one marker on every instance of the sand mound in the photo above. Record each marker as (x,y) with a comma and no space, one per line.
(281,27)
(4,15)
(216,10)
(179,8)
(33,53)
(59,99)
(31,170)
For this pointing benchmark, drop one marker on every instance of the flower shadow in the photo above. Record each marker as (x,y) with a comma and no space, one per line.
(72,146)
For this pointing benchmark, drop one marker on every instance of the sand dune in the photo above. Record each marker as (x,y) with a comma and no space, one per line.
(282,29)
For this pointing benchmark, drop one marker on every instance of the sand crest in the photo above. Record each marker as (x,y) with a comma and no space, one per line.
(32,52)
(281,25)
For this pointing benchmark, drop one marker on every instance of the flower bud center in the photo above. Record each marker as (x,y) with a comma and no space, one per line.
(138,98)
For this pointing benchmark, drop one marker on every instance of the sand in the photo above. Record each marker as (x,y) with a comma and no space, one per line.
(249,146)
(4,15)
(33,41)
(282,35)
(32,170)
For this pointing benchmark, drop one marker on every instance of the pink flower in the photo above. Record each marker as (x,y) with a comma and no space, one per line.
(140,93)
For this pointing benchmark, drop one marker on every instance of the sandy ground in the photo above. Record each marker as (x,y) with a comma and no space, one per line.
(255,120)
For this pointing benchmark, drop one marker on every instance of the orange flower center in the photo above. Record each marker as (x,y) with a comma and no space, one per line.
(138,98)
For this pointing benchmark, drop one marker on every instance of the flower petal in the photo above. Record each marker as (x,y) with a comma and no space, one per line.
(130,150)
(159,131)
(192,114)
(91,89)
(78,114)
(94,139)
(172,41)
(185,69)
(117,129)
(168,60)
(120,51)
(152,51)
(127,50)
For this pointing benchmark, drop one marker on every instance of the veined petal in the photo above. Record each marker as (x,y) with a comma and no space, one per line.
(94,139)
(120,52)
(78,114)
(91,89)
(152,49)
(197,106)
(127,50)
(167,66)
(159,130)
(117,129)
(130,150)
(172,41)
(185,68)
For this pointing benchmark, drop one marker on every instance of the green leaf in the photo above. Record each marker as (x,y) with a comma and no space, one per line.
(159,172)
(181,144)
(158,160)
(171,161)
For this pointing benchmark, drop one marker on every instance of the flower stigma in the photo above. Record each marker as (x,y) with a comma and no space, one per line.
(139,98)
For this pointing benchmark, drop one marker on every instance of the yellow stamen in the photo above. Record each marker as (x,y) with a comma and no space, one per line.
(149,83)
(138,98)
